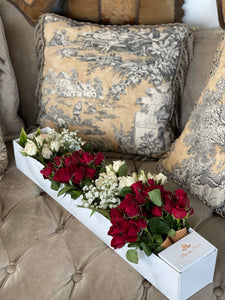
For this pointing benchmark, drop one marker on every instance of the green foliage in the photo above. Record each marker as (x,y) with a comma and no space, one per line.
(124,191)
(23,138)
(123,170)
(132,256)
(55,185)
(155,196)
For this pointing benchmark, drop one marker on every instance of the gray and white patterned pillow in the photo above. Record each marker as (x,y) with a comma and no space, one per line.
(119,86)
(9,98)
(197,158)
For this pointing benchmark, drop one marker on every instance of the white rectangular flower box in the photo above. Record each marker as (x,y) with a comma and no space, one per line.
(176,272)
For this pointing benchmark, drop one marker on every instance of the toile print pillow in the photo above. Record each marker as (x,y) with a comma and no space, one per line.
(197,159)
(117,85)
(3,156)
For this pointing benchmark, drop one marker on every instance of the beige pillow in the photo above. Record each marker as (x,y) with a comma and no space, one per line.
(117,85)
(125,11)
(3,156)
(9,98)
(32,9)
(197,159)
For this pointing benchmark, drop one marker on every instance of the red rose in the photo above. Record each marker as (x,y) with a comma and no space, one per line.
(168,205)
(114,230)
(57,161)
(99,158)
(156,211)
(118,241)
(86,158)
(46,172)
(90,173)
(131,229)
(116,216)
(142,223)
(129,206)
(182,207)
(62,175)
(78,175)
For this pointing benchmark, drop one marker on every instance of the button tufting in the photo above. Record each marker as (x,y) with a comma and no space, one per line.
(218,291)
(1,222)
(11,268)
(60,229)
(77,277)
(146,284)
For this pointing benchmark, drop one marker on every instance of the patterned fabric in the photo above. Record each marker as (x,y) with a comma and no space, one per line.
(9,97)
(32,9)
(125,11)
(197,159)
(115,84)
(3,157)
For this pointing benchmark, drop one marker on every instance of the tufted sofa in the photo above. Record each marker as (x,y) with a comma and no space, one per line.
(45,253)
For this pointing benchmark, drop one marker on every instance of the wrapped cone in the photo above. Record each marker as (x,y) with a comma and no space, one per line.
(166,243)
(179,235)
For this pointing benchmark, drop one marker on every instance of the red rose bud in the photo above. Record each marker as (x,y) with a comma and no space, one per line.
(62,175)
(90,173)
(118,241)
(156,211)
(78,175)
(46,172)
(129,206)
(99,158)
(116,216)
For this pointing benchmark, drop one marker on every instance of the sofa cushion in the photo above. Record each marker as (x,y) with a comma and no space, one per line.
(9,97)
(197,159)
(125,11)
(32,9)
(119,96)
(3,156)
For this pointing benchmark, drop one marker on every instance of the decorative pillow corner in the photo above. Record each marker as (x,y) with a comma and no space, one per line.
(197,158)
(33,9)
(144,12)
(3,157)
(10,122)
(119,86)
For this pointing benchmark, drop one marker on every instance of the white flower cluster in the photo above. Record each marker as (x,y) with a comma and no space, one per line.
(47,144)
(104,192)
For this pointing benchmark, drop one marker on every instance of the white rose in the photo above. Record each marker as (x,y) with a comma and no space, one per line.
(30,148)
(109,168)
(41,137)
(54,145)
(126,181)
(117,164)
(134,175)
(142,176)
(46,152)
(160,178)
(150,176)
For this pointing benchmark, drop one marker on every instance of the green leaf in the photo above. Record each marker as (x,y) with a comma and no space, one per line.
(55,185)
(171,232)
(38,132)
(23,138)
(74,194)
(65,190)
(124,191)
(123,170)
(155,196)
(158,238)
(158,225)
(146,249)
(88,148)
(132,256)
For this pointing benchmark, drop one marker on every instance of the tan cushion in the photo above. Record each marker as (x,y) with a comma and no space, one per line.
(125,11)
(205,44)
(32,9)
(3,156)
(9,98)
(119,96)
(197,159)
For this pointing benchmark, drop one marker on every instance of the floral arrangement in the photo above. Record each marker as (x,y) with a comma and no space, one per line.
(143,214)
